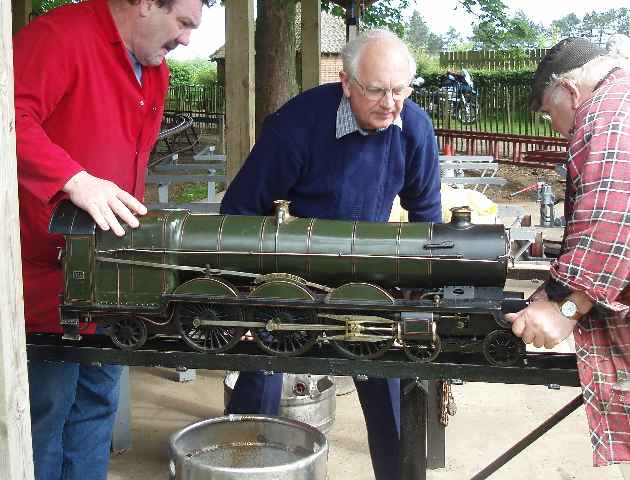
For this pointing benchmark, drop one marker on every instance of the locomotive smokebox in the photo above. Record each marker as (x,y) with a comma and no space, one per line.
(482,251)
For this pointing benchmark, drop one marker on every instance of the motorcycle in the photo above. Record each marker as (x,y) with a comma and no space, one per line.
(456,93)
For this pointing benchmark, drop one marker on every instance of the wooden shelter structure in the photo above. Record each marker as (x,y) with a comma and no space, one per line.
(15,438)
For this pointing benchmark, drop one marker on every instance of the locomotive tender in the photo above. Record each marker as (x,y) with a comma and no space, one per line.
(364,287)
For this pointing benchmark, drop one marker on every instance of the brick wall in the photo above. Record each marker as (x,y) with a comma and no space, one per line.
(329,68)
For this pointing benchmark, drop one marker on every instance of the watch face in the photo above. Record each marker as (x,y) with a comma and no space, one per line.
(568,308)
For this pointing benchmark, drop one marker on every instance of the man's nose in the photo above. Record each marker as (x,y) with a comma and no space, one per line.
(184,38)
(388,98)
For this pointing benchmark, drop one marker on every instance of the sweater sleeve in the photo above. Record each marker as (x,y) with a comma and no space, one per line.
(270,171)
(421,193)
(42,78)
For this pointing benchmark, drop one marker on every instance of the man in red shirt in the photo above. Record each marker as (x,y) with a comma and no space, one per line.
(585,92)
(90,84)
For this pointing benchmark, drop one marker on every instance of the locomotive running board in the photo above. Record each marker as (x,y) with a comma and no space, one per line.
(321,302)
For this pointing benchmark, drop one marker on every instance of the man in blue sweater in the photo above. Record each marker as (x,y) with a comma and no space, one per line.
(344,151)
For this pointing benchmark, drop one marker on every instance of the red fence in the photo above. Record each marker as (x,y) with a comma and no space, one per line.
(525,150)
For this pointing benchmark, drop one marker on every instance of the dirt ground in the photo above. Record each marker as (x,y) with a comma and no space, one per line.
(521,177)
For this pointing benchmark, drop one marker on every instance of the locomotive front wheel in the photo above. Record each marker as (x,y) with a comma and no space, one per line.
(281,334)
(128,333)
(502,348)
(194,323)
(423,352)
(364,349)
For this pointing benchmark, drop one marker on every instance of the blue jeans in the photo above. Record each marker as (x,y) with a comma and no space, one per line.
(380,400)
(73,407)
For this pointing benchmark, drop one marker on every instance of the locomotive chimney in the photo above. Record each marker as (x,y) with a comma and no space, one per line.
(461,216)
(281,209)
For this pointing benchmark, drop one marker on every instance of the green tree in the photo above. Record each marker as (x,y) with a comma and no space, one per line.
(622,21)
(516,33)
(452,40)
(419,36)
(382,14)
(567,26)
(597,26)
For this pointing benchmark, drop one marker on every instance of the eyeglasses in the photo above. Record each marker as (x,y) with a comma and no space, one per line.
(377,93)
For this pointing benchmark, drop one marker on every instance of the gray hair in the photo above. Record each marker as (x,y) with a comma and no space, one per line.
(619,44)
(589,74)
(351,52)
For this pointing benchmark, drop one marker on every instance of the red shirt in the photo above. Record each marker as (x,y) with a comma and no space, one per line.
(78,106)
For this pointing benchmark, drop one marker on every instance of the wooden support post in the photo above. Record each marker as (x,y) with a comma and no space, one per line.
(16,455)
(21,13)
(353,15)
(311,43)
(239,83)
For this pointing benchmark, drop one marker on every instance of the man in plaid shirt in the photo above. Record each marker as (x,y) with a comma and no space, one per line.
(586,95)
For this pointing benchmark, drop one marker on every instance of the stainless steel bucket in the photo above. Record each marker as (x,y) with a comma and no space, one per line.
(248,447)
(305,398)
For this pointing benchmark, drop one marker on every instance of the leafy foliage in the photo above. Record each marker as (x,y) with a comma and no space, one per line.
(419,36)
(42,6)
(383,14)
(192,72)
(486,78)
(515,33)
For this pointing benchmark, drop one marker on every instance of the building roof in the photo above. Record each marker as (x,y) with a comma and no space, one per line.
(333,35)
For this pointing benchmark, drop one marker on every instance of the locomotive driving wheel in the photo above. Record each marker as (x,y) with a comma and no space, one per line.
(423,352)
(502,348)
(364,344)
(208,327)
(128,333)
(282,334)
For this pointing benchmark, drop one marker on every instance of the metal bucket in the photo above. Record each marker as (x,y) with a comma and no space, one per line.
(305,398)
(248,447)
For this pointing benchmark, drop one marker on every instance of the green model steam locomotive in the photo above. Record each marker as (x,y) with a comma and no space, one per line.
(364,287)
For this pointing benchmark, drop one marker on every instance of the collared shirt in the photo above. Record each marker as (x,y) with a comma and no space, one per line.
(137,66)
(347,122)
(595,259)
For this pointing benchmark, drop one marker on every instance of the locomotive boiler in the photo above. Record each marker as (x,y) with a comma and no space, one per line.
(293,283)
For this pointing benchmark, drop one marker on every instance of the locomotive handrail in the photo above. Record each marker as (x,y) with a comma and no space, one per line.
(457,257)
(207,271)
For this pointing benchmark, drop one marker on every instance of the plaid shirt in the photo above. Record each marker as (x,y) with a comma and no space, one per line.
(596,253)
(595,259)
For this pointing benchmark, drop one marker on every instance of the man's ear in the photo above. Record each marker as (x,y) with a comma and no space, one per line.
(574,91)
(345,83)
(146,6)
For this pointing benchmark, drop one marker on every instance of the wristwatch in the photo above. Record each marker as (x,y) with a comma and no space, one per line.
(568,308)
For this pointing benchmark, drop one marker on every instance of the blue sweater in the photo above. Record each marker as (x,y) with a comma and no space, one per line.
(355,177)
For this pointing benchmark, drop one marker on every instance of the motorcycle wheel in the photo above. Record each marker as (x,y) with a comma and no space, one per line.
(467,110)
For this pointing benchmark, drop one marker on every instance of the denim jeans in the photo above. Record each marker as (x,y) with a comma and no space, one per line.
(380,400)
(73,407)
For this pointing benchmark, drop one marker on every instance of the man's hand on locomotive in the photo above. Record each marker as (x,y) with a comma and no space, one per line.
(104,201)
(546,322)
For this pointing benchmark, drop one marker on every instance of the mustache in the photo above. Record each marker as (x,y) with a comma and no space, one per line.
(170,45)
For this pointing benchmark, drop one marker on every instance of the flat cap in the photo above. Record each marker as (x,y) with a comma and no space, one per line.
(566,55)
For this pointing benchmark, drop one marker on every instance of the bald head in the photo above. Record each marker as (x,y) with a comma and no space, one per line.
(380,47)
